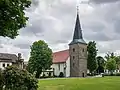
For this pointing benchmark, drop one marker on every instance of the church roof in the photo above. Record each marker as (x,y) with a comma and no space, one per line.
(61,56)
(78,38)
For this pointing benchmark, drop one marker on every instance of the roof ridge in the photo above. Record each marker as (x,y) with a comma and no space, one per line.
(61,51)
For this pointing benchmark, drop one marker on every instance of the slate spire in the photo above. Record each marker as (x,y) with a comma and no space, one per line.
(77,37)
(77,31)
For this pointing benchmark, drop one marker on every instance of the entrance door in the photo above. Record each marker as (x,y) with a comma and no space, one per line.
(83,75)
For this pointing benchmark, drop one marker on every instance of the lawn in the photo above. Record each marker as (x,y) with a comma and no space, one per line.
(103,83)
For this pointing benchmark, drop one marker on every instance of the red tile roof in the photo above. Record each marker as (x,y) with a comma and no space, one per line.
(61,56)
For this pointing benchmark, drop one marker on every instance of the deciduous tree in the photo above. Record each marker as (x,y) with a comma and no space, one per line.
(12,16)
(111,65)
(101,64)
(40,57)
(92,53)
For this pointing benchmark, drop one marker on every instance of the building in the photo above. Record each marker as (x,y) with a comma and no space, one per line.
(61,63)
(7,59)
(72,62)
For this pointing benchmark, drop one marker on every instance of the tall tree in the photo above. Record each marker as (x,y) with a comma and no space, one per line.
(92,53)
(111,65)
(101,64)
(40,58)
(12,16)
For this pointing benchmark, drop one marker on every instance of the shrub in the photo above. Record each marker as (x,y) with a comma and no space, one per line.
(1,79)
(118,74)
(61,74)
(18,79)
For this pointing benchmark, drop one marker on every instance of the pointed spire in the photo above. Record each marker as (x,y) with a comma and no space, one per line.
(78,38)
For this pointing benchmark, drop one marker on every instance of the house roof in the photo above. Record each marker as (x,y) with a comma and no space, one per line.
(61,56)
(7,56)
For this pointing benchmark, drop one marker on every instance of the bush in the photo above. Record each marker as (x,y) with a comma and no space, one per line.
(61,74)
(18,79)
(118,74)
(1,79)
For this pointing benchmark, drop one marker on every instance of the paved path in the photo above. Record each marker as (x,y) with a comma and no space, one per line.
(69,77)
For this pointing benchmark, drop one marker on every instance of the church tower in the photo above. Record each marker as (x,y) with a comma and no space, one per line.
(78,52)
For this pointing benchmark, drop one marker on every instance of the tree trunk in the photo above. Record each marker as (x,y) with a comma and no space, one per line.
(38,73)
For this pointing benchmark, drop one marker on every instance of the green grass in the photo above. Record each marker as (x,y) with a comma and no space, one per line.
(105,83)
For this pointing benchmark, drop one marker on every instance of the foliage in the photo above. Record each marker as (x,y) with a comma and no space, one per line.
(92,53)
(117,74)
(109,55)
(1,79)
(40,58)
(12,16)
(61,74)
(111,65)
(18,79)
(101,64)
(105,83)
(117,59)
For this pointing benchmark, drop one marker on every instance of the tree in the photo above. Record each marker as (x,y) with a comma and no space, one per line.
(1,79)
(12,16)
(117,59)
(111,65)
(92,53)
(40,58)
(101,64)
(19,79)
(109,55)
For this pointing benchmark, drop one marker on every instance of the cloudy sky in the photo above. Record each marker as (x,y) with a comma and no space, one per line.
(54,21)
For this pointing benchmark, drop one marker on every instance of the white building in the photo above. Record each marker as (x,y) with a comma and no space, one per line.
(61,63)
(10,59)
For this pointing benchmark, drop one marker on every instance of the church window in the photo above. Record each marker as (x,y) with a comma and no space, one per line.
(59,66)
(4,65)
(73,49)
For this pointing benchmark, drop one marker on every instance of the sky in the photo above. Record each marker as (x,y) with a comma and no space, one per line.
(54,22)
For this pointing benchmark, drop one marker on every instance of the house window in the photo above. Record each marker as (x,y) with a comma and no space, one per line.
(59,66)
(73,49)
(4,65)
(7,65)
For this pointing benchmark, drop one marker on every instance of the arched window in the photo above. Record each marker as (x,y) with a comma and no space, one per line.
(73,49)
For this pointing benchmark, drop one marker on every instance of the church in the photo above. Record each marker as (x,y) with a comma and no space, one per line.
(73,61)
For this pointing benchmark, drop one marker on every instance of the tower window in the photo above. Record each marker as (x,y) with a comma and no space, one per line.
(73,64)
(73,57)
(83,50)
(73,49)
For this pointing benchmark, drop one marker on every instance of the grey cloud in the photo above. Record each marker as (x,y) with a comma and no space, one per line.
(117,26)
(23,46)
(95,26)
(103,1)
(100,36)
